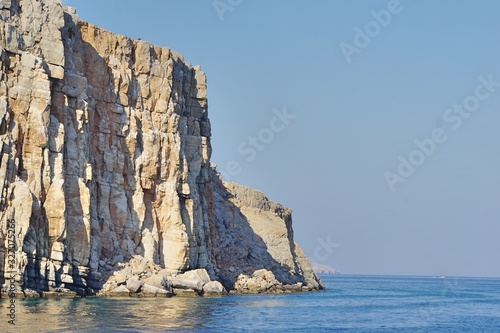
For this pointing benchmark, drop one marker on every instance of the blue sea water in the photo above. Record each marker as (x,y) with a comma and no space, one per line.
(351,304)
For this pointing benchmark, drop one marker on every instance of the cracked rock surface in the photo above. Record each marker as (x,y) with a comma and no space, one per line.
(105,168)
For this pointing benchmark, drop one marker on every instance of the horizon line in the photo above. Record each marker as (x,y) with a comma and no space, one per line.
(415,276)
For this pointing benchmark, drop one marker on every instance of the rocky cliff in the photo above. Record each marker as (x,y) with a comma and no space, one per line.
(105,161)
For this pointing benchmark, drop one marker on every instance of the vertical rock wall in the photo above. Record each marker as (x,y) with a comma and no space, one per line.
(106,155)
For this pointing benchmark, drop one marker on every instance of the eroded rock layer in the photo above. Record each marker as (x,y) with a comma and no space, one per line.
(105,157)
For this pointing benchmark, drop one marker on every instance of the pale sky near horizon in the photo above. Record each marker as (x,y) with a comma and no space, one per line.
(429,72)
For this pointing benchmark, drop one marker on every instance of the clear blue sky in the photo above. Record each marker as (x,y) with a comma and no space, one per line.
(352,120)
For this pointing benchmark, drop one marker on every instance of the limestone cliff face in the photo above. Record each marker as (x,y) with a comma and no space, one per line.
(106,155)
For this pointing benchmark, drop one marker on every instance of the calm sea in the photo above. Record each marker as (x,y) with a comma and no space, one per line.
(351,304)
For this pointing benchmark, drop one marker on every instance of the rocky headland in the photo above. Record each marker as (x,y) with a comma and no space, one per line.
(106,182)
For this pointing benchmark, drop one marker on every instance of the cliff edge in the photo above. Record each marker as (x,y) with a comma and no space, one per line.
(105,172)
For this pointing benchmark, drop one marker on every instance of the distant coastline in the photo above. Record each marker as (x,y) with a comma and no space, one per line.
(324,269)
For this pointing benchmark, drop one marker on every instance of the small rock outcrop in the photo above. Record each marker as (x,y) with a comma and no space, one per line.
(105,172)
(214,288)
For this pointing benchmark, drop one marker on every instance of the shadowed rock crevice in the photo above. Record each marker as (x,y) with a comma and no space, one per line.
(105,162)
